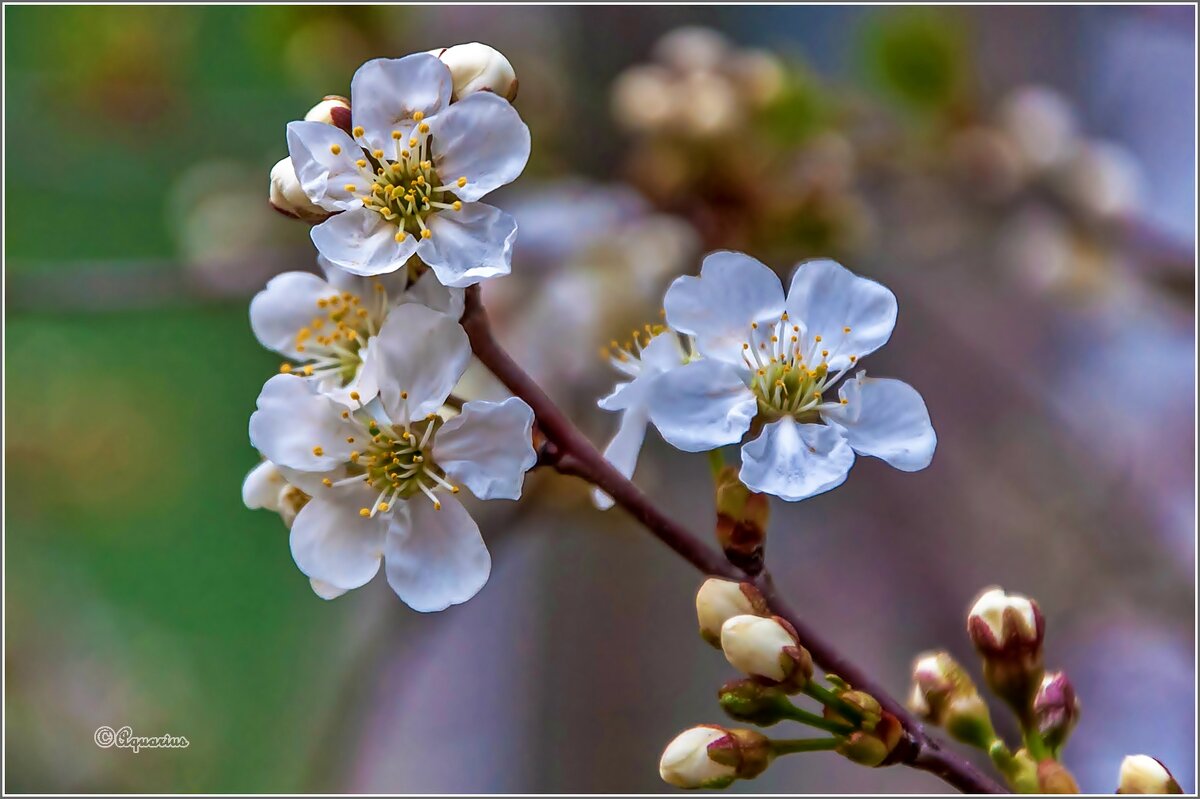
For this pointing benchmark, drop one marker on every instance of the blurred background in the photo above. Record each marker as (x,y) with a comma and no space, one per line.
(1022,178)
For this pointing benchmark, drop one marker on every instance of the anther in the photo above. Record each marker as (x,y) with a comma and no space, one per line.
(358,131)
(318,451)
(336,149)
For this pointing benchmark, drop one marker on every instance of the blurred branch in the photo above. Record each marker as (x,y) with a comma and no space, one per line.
(570,452)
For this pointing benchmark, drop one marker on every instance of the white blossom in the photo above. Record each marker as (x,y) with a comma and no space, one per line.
(384,478)
(769,361)
(685,762)
(652,353)
(329,326)
(408,178)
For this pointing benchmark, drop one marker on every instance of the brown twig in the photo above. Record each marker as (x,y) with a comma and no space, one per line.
(570,452)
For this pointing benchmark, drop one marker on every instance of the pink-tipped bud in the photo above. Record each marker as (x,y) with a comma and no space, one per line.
(1145,774)
(1056,709)
(710,756)
(1007,630)
(767,648)
(719,600)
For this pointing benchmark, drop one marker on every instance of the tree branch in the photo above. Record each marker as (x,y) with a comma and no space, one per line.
(570,452)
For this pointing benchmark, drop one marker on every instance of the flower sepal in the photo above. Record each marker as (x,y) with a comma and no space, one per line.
(742,517)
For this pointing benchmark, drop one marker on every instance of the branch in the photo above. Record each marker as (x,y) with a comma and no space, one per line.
(570,452)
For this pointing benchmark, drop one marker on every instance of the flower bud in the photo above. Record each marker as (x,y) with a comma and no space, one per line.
(476,67)
(944,694)
(261,488)
(1007,631)
(759,75)
(873,747)
(644,98)
(754,703)
(867,710)
(332,110)
(1053,777)
(709,756)
(288,197)
(741,521)
(692,49)
(718,601)
(1145,774)
(1041,123)
(767,648)
(1056,709)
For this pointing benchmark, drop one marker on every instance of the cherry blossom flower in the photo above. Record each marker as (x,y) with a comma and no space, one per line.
(384,477)
(408,178)
(650,354)
(328,326)
(769,362)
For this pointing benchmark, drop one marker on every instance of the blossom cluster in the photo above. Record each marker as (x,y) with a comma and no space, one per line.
(366,444)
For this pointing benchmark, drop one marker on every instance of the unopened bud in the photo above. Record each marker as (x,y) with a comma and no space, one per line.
(719,600)
(864,709)
(759,74)
(692,49)
(288,197)
(944,694)
(1054,777)
(767,648)
(476,67)
(753,702)
(1056,709)
(742,518)
(1145,774)
(332,110)
(1007,630)
(709,756)
(873,747)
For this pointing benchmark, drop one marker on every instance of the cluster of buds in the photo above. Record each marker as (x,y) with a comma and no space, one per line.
(698,85)
(1008,631)
(767,650)
(474,67)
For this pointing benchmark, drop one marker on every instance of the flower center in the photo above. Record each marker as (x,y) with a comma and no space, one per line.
(790,369)
(396,460)
(404,187)
(333,341)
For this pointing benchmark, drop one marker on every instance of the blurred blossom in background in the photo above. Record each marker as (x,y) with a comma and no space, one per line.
(1022,178)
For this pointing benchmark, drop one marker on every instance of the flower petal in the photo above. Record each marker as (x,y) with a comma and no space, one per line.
(702,405)
(287,304)
(430,292)
(470,245)
(622,452)
(362,242)
(488,447)
(887,419)
(394,283)
(294,422)
(718,307)
(325,590)
(385,92)
(422,353)
(795,461)
(480,138)
(331,542)
(324,174)
(827,298)
(261,487)
(435,558)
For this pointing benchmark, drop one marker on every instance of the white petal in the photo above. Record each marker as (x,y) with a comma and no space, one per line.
(362,242)
(293,420)
(430,292)
(365,382)
(333,543)
(886,419)
(702,405)
(325,590)
(488,447)
(287,304)
(435,558)
(422,353)
(324,174)
(827,298)
(795,461)
(261,487)
(480,138)
(385,92)
(470,245)
(718,307)
(395,283)
(662,354)
(622,452)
